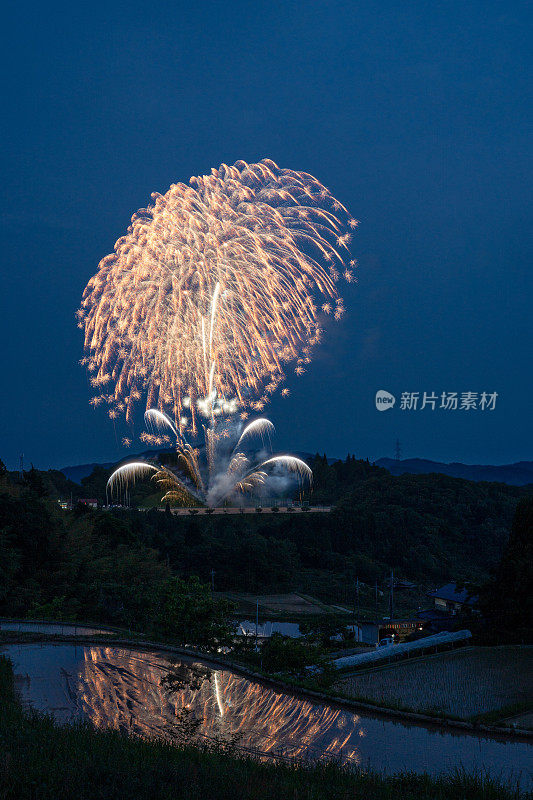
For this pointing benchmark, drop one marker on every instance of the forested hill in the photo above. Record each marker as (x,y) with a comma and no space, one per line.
(428,528)
(424,525)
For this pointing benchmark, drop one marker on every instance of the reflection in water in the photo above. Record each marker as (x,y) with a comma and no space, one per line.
(155,695)
(147,695)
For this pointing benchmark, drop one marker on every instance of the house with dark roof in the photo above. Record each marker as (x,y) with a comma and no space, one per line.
(435,620)
(449,598)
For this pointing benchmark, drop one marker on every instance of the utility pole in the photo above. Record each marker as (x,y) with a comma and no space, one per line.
(21,466)
(355,607)
(256,623)
(391,595)
(376,599)
(213,580)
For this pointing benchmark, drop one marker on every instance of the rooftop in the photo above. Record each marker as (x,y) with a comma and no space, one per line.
(449,592)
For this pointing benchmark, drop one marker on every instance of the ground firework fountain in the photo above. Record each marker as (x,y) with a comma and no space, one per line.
(222,471)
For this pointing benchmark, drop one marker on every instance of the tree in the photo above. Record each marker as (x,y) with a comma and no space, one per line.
(507,600)
(9,564)
(190,615)
(95,484)
(283,654)
(35,482)
(322,629)
(112,530)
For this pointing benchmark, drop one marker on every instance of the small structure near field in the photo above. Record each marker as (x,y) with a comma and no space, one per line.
(398,629)
(450,598)
(92,502)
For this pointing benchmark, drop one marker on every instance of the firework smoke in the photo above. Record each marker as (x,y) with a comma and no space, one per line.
(223,470)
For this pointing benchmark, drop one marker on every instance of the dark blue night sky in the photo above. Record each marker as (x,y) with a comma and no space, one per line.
(413,114)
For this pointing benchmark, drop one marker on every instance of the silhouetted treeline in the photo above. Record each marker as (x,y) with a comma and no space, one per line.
(106,565)
(507,599)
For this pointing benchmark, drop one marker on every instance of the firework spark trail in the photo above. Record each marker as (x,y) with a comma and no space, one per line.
(129,473)
(226,472)
(259,427)
(160,420)
(270,242)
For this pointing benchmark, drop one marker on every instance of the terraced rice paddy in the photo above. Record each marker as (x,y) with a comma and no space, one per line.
(467,683)
(158,695)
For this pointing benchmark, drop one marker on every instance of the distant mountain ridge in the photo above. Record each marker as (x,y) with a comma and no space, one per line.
(518,474)
(80,471)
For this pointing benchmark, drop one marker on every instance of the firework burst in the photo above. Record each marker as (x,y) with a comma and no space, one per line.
(222,470)
(260,247)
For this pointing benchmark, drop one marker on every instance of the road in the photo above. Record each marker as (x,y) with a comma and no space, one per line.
(180,512)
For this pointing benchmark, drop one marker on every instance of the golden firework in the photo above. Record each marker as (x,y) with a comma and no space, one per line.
(258,246)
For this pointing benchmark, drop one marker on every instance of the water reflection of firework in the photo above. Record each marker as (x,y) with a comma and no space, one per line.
(126,690)
(274,241)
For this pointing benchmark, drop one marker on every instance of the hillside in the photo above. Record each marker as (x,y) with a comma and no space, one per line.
(429,528)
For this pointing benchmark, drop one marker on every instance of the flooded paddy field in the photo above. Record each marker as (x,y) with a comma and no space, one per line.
(164,695)
(465,683)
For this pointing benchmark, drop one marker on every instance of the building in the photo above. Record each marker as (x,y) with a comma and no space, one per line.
(449,598)
(397,629)
(89,501)
(436,620)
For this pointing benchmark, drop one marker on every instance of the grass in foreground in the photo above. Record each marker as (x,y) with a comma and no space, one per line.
(42,760)
(481,683)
